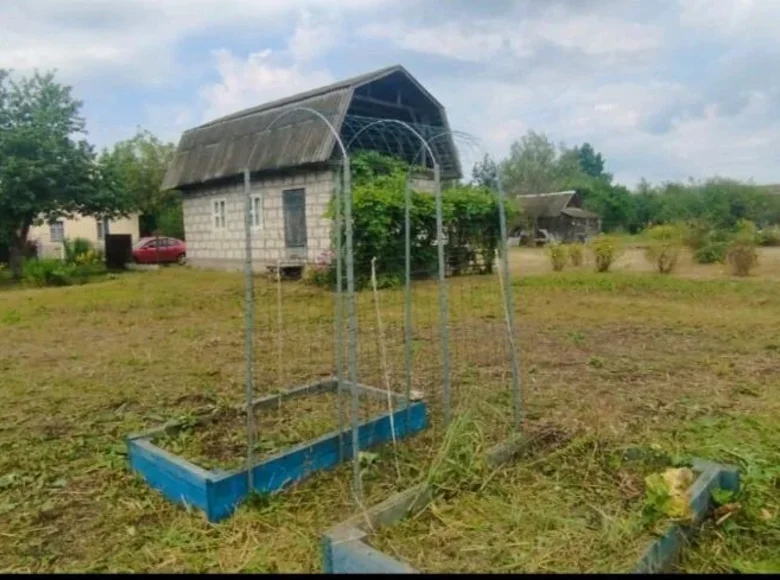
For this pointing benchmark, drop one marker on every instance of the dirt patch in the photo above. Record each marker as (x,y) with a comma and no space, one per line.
(222,441)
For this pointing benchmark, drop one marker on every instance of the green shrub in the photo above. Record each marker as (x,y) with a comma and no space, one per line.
(81,252)
(47,272)
(664,247)
(558,256)
(471,225)
(576,254)
(742,255)
(605,251)
(769,236)
(713,252)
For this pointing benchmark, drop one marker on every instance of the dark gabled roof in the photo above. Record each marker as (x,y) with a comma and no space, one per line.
(228,145)
(545,204)
(579,213)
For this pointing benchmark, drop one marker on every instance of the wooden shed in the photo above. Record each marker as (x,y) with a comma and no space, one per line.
(560,214)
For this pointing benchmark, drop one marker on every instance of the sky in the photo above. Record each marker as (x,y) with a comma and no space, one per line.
(664,89)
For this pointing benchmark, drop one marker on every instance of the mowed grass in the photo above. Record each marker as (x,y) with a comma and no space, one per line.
(623,358)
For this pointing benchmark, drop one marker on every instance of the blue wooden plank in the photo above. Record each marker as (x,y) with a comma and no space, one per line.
(663,553)
(225,493)
(177,479)
(356,557)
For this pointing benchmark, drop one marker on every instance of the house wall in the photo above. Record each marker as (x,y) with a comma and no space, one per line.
(79,227)
(212,247)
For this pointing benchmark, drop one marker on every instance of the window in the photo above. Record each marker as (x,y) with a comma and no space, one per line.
(256,211)
(57,231)
(219,214)
(101,234)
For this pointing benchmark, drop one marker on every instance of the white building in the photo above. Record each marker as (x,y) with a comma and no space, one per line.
(49,237)
(294,161)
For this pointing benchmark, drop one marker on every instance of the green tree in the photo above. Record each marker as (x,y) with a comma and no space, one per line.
(485,173)
(531,166)
(592,163)
(46,171)
(133,171)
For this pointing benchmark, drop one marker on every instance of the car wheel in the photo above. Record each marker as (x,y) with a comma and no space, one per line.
(181,259)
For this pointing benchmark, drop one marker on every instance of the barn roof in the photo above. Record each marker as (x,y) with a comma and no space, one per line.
(259,139)
(545,204)
(579,213)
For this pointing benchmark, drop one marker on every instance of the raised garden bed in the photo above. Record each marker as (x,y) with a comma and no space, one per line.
(202,461)
(556,514)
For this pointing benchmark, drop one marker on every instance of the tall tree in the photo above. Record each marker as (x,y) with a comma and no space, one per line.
(485,173)
(531,165)
(592,163)
(46,170)
(133,171)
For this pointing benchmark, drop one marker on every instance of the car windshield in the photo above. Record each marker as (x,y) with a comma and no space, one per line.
(140,243)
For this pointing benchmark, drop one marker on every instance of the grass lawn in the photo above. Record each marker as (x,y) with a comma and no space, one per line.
(688,364)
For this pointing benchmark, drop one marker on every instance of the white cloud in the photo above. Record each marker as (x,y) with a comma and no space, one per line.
(135,37)
(480,41)
(598,35)
(313,36)
(451,40)
(253,81)
(733,17)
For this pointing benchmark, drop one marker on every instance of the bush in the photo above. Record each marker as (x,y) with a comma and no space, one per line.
(48,272)
(80,251)
(711,253)
(605,251)
(558,256)
(664,247)
(471,225)
(769,236)
(742,255)
(576,254)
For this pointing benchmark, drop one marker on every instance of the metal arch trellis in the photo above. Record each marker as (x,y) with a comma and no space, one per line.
(408,130)
(343,202)
(506,288)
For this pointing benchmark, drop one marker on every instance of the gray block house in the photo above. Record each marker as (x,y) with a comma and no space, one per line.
(294,162)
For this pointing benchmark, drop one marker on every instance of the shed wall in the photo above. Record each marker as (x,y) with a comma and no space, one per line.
(209,246)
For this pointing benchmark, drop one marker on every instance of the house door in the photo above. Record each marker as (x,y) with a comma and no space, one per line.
(295,223)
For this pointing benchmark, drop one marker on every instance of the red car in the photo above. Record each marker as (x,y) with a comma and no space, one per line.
(159,250)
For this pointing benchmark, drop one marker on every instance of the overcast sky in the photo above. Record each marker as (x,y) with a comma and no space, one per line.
(665,89)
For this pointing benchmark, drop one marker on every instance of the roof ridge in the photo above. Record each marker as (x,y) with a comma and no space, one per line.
(351,82)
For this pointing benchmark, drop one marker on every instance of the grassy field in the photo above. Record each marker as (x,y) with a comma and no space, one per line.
(688,364)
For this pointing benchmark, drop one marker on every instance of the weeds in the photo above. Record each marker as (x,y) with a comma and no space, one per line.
(576,254)
(558,256)
(742,255)
(664,248)
(605,251)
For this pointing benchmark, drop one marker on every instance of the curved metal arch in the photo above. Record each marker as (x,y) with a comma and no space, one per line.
(343,199)
(317,114)
(506,288)
(443,308)
(411,129)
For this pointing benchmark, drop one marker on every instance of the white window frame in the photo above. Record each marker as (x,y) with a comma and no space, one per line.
(61,237)
(256,213)
(219,214)
(101,234)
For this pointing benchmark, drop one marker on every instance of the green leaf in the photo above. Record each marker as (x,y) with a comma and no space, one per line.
(722,496)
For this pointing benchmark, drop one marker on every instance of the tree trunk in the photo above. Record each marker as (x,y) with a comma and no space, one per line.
(16,251)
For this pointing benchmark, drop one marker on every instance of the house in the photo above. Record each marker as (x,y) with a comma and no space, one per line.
(49,237)
(294,162)
(560,214)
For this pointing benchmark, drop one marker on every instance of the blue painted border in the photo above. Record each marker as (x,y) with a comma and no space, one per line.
(345,551)
(218,493)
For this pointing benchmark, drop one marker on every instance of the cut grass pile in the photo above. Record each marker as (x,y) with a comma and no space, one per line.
(221,440)
(691,365)
(580,507)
